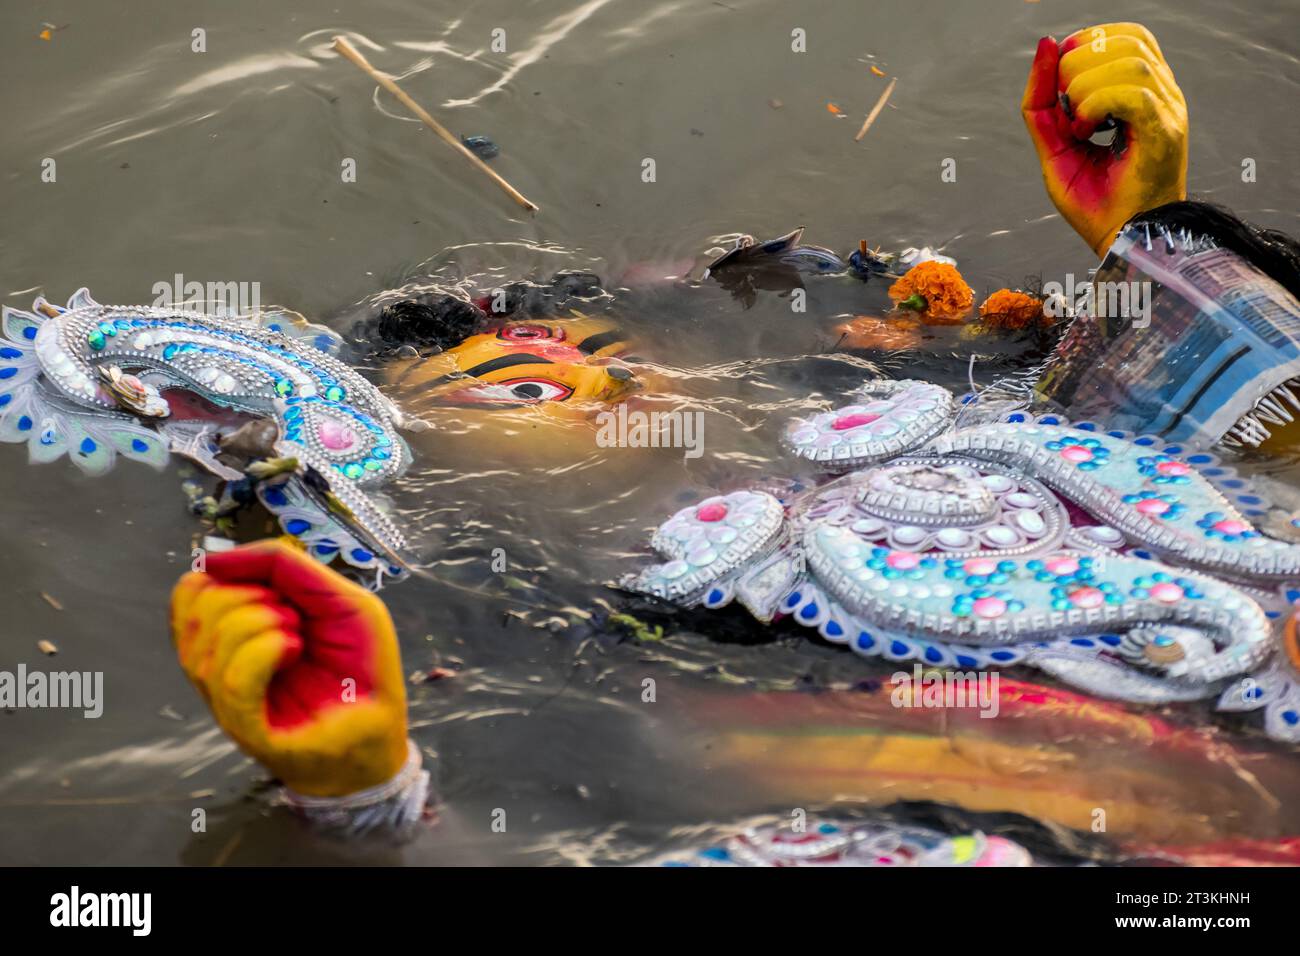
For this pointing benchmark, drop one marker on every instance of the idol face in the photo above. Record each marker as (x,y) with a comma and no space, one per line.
(528,363)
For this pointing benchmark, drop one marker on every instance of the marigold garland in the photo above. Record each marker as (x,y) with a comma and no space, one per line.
(1007,309)
(935,289)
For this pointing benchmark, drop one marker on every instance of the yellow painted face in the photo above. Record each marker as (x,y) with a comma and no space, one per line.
(526,363)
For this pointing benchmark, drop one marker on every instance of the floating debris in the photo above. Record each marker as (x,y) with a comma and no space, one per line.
(865,262)
(785,250)
(347,50)
(832,108)
(47,648)
(878,71)
(52,601)
(431,675)
(775,104)
(481,146)
(875,110)
(638,629)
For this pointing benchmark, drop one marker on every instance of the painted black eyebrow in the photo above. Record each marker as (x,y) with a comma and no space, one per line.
(594,343)
(506,361)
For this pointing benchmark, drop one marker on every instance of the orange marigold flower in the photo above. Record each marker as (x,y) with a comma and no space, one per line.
(881,335)
(935,289)
(1006,309)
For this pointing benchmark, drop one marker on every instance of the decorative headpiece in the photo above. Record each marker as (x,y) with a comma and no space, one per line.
(849,843)
(1120,564)
(93,382)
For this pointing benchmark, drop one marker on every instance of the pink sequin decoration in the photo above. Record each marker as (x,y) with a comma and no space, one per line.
(1229,526)
(1176,468)
(980,566)
(845,422)
(335,436)
(902,560)
(1076,453)
(1087,598)
(990,607)
(1166,592)
(1152,506)
(715,511)
(1062,565)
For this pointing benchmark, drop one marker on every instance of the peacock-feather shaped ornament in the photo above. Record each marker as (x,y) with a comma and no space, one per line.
(94,382)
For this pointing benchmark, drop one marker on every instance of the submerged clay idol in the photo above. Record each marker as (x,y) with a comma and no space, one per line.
(93,382)
(1111,561)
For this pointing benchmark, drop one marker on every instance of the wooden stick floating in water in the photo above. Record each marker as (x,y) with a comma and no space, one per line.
(875,110)
(346,49)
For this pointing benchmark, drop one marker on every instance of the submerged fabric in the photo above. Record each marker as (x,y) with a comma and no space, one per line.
(1180,339)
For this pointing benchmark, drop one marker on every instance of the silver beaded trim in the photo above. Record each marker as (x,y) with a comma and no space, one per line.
(909,414)
(1023,448)
(330,418)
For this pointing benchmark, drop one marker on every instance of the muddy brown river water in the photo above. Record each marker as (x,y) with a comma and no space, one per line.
(224,166)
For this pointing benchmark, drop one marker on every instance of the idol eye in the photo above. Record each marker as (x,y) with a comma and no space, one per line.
(528,332)
(537,390)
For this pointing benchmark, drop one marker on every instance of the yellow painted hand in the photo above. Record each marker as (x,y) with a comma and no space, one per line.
(300,666)
(1103,77)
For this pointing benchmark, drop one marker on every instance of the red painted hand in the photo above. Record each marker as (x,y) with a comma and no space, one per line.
(1103,78)
(300,666)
